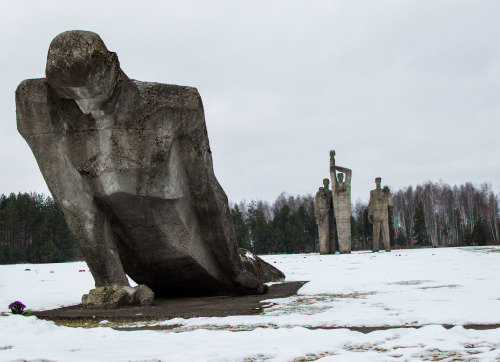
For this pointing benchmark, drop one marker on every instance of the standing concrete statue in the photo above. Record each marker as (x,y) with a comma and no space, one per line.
(378,214)
(341,192)
(323,208)
(130,166)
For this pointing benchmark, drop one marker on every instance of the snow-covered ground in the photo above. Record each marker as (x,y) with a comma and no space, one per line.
(423,297)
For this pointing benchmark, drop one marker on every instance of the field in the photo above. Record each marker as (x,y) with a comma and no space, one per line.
(419,304)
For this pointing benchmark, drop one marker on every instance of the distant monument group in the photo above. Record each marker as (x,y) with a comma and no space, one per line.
(333,212)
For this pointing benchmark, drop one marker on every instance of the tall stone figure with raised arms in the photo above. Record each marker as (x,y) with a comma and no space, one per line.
(323,208)
(378,214)
(130,166)
(341,193)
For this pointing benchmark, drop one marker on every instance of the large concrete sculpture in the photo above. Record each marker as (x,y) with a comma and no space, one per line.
(341,193)
(323,208)
(378,214)
(129,164)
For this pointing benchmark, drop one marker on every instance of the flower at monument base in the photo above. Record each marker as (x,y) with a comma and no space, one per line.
(17,307)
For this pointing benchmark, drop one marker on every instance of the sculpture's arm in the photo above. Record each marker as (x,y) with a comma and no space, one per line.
(333,174)
(347,171)
(43,129)
(348,176)
(32,110)
(42,126)
(332,160)
(342,169)
(388,197)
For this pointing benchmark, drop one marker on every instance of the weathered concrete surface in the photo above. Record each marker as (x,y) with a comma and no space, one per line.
(323,208)
(378,214)
(129,164)
(341,193)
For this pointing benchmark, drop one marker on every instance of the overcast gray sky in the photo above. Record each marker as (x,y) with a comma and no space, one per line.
(405,90)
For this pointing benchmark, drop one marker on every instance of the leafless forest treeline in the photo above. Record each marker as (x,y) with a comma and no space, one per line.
(453,215)
(437,214)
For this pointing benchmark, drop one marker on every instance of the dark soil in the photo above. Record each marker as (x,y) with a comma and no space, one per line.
(168,308)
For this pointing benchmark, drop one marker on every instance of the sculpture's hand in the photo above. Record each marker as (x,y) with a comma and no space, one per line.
(332,158)
(370,219)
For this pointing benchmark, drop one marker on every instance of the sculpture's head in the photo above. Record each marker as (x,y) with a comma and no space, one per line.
(378,180)
(340,177)
(326,182)
(80,67)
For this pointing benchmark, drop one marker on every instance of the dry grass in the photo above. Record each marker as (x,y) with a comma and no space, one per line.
(314,356)
(312,304)
(449,286)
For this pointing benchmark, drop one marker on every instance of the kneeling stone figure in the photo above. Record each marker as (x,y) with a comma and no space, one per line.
(130,166)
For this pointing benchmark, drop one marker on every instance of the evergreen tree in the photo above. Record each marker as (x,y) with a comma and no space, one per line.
(355,229)
(281,230)
(466,237)
(363,234)
(259,229)
(5,254)
(49,253)
(241,229)
(310,229)
(400,239)
(295,231)
(13,234)
(53,227)
(419,229)
(392,231)
(478,235)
